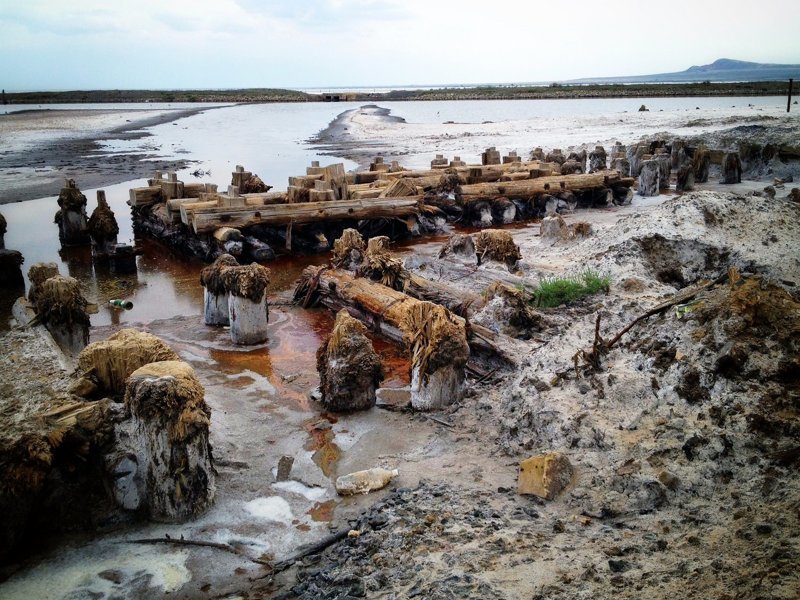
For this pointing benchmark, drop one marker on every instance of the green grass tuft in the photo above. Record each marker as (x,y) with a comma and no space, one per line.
(555,291)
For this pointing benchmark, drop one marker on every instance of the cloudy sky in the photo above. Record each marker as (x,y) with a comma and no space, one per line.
(104,44)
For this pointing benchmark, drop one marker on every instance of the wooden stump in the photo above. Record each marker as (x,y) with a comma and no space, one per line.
(71,218)
(215,292)
(61,307)
(439,354)
(248,312)
(685,178)
(11,269)
(731,168)
(349,369)
(597,159)
(700,164)
(103,228)
(168,472)
(664,162)
(648,179)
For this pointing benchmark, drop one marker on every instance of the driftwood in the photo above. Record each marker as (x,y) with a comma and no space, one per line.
(197,543)
(600,346)
(381,308)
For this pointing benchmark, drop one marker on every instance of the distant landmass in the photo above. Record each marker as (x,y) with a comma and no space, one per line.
(724,69)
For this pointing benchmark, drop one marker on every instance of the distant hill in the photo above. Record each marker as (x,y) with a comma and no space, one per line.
(724,69)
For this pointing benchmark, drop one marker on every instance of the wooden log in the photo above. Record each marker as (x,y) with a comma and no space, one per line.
(206,220)
(306,181)
(452,299)
(544,185)
(380,308)
(399,188)
(144,196)
(365,194)
(321,195)
(187,209)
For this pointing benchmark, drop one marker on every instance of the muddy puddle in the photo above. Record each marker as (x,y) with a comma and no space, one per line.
(261,410)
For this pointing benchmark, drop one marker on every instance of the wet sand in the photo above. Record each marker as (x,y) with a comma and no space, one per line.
(49,145)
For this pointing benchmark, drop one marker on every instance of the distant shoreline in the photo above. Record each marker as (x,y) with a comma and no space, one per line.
(550,92)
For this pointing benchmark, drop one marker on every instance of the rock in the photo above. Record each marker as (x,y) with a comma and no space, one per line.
(350,370)
(669,480)
(553,229)
(363,482)
(618,566)
(284,468)
(545,475)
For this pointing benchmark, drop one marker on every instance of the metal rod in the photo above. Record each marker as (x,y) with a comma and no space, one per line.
(789,101)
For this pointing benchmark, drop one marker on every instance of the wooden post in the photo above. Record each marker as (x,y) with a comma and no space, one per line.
(789,100)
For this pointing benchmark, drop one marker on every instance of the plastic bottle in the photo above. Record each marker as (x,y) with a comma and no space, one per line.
(117,303)
(363,482)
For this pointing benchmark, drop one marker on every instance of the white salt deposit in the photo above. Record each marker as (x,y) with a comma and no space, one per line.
(274,509)
(295,487)
(69,574)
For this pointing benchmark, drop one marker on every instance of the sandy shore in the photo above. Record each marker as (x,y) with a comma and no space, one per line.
(363,133)
(49,145)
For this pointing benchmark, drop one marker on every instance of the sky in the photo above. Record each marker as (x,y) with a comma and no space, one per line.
(216,44)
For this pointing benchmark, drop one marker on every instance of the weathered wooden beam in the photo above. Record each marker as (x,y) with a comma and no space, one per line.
(205,220)
(187,208)
(381,308)
(531,188)
(144,196)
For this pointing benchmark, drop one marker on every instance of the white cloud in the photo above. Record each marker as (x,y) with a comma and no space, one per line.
(266,43)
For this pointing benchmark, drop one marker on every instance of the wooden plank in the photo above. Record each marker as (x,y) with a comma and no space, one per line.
(144,196)
(543,185)
(205,220)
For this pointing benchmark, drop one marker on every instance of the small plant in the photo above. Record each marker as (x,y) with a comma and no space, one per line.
(555,291)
